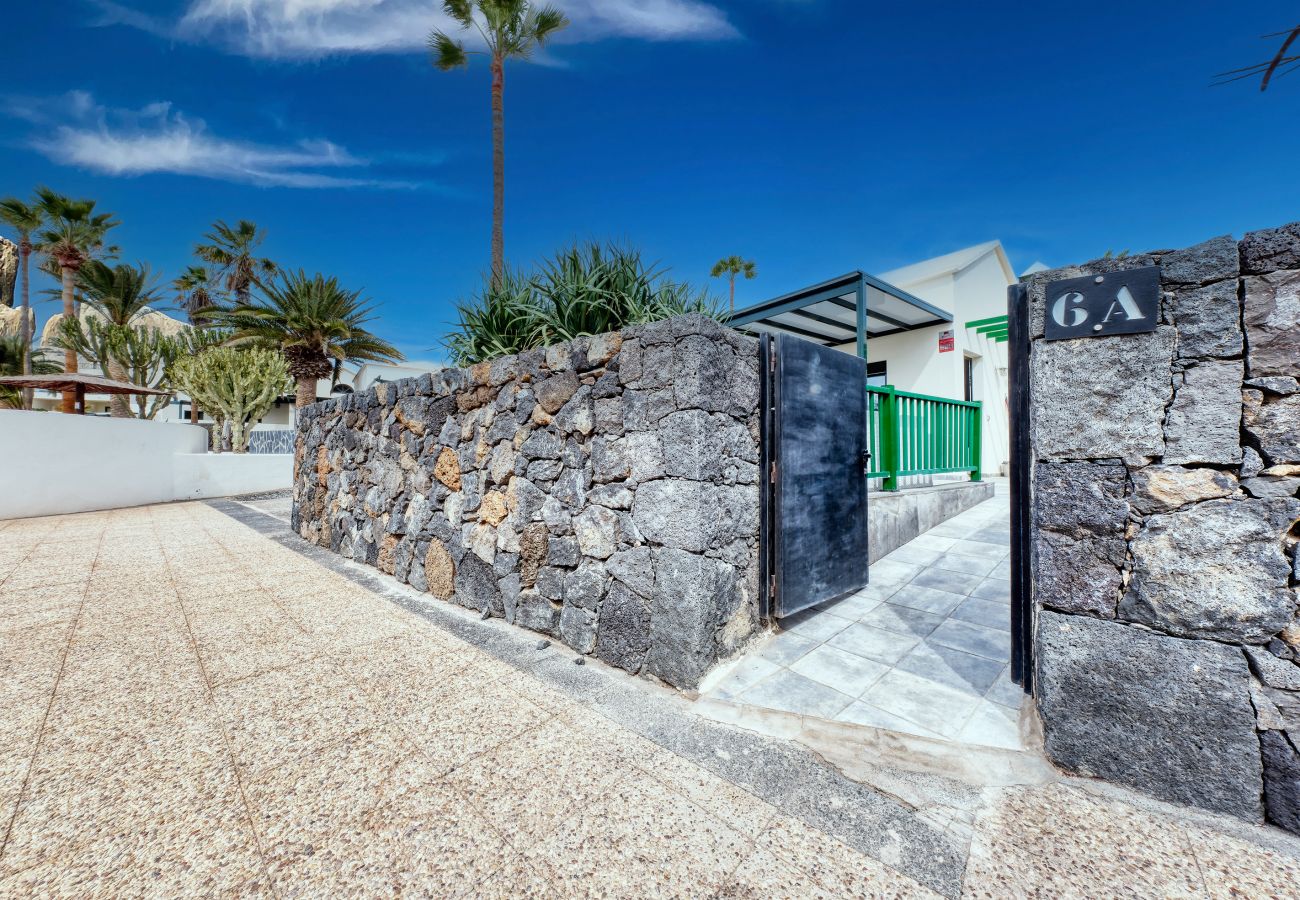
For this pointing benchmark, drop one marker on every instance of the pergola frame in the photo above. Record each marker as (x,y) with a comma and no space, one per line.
(832,332)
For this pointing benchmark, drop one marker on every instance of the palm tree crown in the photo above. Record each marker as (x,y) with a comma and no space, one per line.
(197,292)
(232,253)
(118,293)
(731,266)
(73,233)
(509,29)
(314,321)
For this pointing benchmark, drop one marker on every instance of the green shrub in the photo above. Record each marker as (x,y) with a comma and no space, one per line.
(586,289)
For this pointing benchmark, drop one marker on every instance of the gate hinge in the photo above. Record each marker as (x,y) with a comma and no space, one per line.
(771,586)
(772,477)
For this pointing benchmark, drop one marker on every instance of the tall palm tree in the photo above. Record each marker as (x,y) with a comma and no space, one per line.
(73,234)
(26,219)
(119,294)
(232,251)
(731,266)
(314,321)
(510,29)
(198,294)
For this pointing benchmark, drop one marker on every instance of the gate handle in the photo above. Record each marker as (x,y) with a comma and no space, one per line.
(866,461)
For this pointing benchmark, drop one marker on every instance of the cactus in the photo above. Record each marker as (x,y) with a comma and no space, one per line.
(236,386)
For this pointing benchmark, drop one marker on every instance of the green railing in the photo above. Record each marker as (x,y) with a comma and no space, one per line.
(913,434)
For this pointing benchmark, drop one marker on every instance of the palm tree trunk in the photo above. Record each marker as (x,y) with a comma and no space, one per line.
(733,292)
(306,393)
(25,252)
(498,170)
(69,404)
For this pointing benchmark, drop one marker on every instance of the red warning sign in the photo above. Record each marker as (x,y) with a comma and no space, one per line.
(947,343)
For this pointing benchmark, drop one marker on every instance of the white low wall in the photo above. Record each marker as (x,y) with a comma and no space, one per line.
(56,463)
(198,475)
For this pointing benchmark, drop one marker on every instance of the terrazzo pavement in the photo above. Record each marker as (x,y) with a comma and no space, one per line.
(198,705)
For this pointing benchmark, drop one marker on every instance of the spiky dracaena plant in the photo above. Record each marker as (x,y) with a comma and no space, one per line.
(585,289)
(313,321)
(239,385)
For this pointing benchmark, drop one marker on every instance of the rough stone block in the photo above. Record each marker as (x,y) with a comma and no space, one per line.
(585,586)
(1274,424)
(694,515)
(1204,422)
(1212,260)
(1281,780)
(623,635)
(1271,249)
(1109,396)
(578,628)
(1164,488)
(1208,320)
(1272,317)
(1214,570)
(1080,514)
(535,612)
(633,568)
(689,594)
(1169,717)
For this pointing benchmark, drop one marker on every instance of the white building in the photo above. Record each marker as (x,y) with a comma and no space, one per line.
(935,327)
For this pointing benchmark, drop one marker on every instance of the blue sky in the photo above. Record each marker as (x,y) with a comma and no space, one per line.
(814,136)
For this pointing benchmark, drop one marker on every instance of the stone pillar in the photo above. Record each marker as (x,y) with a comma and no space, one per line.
(1165,474)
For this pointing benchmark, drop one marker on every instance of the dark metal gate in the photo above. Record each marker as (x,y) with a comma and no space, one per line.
(814,470)
(1022,601)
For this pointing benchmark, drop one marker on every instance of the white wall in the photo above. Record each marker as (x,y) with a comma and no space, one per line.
(56,463)
(199,475)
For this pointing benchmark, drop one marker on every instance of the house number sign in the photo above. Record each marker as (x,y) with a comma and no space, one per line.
(1100,305)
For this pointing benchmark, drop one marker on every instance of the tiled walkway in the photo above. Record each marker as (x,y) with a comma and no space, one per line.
(923,649)
(189,707)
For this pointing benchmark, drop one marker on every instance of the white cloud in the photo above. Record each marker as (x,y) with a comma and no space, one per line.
(75,130)
(315,28)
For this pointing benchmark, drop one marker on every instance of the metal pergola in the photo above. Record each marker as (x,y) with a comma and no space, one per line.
(844,310)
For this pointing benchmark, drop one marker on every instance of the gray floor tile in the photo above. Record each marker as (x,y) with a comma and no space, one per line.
(785,648)
(902,619)
(927,703)
(952,582)
(992,725)
(989,613)
(956,669)
(971,565)
(987,642)
(918,556)
(1006,691)
(880,590)
(815,624)
(846,672)
(854,606)
(748,672)
(888,571)
(874,643)
(859,713)
(991,534)
(929,541)
(993,589)
(972,548)
(791,692)
(926,599)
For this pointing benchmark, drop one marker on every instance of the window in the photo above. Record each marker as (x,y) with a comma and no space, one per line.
(877,374)
(969,364)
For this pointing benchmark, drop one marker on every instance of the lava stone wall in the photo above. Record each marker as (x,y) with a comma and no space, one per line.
(603,492)
(1165,475)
